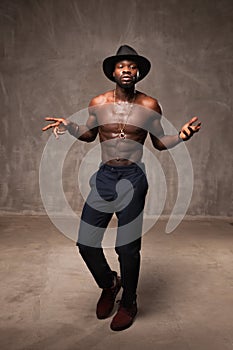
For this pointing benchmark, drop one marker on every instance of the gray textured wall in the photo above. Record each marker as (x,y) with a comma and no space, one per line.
(51,56)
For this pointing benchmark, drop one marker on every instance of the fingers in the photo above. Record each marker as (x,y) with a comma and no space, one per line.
(189,129)
(192,120)
(54,119)
(57,121)
(50,126)
(195,128)
(55,126)
(55,131)
(187,132)
(198,127)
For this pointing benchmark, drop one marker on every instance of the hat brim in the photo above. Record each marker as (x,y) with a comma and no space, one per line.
(143,64)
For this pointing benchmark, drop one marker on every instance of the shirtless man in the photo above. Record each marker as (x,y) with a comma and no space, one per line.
(122,118)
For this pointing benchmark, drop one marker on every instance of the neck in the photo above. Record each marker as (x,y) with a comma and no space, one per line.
(124,94)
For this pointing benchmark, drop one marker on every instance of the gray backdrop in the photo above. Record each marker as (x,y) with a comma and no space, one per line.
(51,64)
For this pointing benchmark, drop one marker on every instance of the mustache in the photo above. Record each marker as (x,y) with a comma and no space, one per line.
(125,74)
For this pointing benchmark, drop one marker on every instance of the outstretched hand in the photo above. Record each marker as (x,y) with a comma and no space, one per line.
(189,129)
(59,126)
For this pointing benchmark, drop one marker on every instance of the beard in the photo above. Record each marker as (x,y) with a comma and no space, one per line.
(126,84)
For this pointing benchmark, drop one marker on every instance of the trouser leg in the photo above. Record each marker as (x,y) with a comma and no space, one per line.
(95,217)
(128,243)
(97,265)
(129,259)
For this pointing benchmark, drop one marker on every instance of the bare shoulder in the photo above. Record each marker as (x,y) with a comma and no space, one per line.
(106,97)
(148,102)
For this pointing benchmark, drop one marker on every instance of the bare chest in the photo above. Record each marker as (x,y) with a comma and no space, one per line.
(131,118)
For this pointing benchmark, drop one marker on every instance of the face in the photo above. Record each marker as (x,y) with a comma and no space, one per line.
(125,73)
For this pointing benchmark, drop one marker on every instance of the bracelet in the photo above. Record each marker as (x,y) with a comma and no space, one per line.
(180,138)
(72,128)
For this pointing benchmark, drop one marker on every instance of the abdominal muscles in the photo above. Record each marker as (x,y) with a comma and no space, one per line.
(121,149)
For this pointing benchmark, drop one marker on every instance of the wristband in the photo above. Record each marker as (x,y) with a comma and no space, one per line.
(72,128)
(180,138)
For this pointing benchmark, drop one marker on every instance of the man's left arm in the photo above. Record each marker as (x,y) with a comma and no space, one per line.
(161,141)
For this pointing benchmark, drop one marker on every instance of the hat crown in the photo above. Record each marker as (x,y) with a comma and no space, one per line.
(126,50)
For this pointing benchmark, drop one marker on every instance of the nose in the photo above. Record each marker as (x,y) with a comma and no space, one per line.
(126,69)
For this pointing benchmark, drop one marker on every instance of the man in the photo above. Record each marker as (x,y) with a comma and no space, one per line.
(122,118)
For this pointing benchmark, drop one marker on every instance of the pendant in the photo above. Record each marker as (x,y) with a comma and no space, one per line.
(122,134)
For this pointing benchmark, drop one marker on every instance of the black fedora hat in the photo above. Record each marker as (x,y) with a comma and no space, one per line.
(126,52)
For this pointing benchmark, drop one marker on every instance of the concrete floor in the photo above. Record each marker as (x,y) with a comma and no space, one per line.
(185,292)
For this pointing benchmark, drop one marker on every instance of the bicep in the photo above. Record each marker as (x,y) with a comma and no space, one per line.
(88,131)
(156,128)
(155,120)
(91,127)
(154,123)
(91,122)
(156,132)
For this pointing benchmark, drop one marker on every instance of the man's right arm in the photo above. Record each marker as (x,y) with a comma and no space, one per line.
(86,133)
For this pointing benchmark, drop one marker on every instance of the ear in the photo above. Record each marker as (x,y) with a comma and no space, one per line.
(113,74)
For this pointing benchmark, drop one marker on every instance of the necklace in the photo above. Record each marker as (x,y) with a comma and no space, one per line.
(124,109)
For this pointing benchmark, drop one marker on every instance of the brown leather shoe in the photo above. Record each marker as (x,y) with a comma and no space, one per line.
(106,301)
(124,317)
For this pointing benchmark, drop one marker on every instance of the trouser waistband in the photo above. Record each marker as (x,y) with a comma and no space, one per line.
(123,167)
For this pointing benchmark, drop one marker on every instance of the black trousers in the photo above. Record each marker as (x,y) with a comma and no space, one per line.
(120,190)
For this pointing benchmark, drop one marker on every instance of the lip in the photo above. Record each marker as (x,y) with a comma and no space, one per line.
(126,78)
